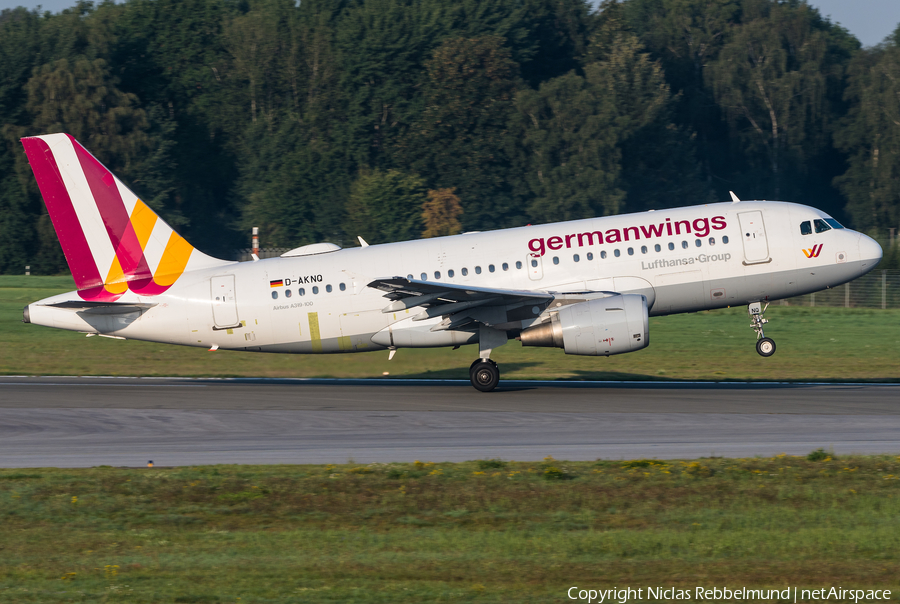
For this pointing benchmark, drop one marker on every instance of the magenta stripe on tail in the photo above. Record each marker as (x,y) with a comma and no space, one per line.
(115,217)
(62,214)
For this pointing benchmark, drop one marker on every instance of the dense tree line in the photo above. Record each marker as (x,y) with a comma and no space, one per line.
(326,119)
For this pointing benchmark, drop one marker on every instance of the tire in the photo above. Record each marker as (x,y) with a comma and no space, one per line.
(484,375)
(765,347)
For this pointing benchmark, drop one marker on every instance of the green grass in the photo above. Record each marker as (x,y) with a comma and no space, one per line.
(422,532)
(813,344)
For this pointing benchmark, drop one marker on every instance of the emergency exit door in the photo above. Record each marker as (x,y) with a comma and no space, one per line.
(753,233)
(535,267)
(223,301)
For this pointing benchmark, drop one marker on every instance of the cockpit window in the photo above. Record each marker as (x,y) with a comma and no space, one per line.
(806,228)
(821,225)
(834,223)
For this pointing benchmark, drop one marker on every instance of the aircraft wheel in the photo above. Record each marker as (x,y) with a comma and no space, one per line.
(765,347)
(484,374)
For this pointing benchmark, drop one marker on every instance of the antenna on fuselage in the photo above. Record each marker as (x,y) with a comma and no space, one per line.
(734,198)
(362,241)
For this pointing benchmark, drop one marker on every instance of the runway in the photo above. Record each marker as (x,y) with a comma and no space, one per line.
(82,422)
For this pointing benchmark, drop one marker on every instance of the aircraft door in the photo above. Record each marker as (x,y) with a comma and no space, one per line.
(224,301)
(535,267)
(753,233)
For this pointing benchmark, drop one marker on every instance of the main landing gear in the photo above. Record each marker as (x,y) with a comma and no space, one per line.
(764,346)
(484,374)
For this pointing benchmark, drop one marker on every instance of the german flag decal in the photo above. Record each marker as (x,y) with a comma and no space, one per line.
(277,283)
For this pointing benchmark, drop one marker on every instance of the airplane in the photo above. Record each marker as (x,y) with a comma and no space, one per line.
(586,286)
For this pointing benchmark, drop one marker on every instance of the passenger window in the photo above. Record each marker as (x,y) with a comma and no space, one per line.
(424,276)
(725,239)
(315,289)
(712,240)
(698,242)
(343,287)
(518,264)
(617,253)
(450,273)
(464,271)
(301,292)
(821,226)
(328,288)
(643,249)
(437,274)
(275,295)
(505,266)
(576,257)
(490,268)
(684,245)
(287,293)
(410,277)
(590,255)
(657,248)
(671,246)
(631,251)
(603,254)
(806,228)
(556,260)
(534,263)
(477,270)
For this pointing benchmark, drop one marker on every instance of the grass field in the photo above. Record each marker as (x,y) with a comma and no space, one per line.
(485,531)
(821,344)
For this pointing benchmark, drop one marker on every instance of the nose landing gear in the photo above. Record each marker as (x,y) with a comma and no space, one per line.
(764,346)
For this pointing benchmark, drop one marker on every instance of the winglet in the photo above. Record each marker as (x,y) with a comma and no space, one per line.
(362,241)
(734,198)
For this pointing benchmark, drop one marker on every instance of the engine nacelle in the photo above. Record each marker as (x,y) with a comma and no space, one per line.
(600,327)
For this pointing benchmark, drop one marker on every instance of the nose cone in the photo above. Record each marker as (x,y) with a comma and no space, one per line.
(869,251)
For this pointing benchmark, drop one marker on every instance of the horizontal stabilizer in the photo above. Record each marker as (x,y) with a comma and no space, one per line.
(103,308)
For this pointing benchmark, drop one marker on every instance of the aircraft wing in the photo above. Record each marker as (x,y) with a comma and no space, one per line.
(458,301)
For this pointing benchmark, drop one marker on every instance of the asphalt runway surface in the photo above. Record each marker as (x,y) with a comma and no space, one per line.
(82,422)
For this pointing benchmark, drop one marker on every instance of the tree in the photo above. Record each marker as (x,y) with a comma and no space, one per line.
(462,136)
(386,206)
(659,164)
(870,135)
(570,137)
(441,213)
(80,97)
(381,45)
(19,41)
(772,79)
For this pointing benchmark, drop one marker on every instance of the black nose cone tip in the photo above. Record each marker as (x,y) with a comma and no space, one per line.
(26,316)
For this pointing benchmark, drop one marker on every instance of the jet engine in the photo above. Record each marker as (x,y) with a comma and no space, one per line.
(598,327)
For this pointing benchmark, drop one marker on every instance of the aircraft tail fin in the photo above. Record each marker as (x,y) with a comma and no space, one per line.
(113,241)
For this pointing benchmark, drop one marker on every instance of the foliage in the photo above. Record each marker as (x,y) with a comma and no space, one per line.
(870,135)
(491,464)
(224,115)
(386,206)
(440,213)
(460,138)
(820,455)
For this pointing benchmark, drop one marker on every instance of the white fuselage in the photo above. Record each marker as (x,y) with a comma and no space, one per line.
(682,260)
